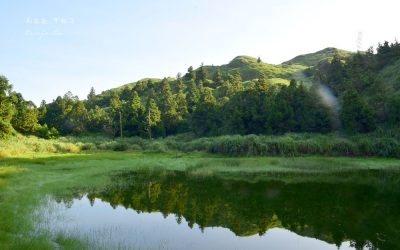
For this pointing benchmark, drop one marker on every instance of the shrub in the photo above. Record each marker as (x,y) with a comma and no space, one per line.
(121,147)
(156,146)
(88,146)
(136,147)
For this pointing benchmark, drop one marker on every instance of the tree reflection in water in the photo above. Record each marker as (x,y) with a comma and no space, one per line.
(366,214)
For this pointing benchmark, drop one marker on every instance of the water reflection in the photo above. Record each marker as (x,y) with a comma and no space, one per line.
(366,215)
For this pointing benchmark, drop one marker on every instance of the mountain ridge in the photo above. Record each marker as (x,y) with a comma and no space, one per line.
(250,69)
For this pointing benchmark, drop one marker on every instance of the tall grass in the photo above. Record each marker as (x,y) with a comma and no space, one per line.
(380,143)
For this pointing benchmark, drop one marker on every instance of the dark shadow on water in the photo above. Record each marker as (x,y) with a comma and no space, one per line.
(367,214)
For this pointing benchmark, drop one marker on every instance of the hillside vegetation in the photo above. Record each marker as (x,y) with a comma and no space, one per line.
(329,91)
(312,59)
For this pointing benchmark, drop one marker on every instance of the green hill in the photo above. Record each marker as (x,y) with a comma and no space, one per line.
(249,69)
(313,59)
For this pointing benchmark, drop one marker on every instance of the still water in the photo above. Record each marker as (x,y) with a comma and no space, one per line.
(176,210)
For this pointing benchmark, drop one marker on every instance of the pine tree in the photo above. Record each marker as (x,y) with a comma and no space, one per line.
(262,83)
(42,111)
(204,120)
(201,74)
(236,82)
(116,107)
(217,79)
(136,111)
(168,106)
(335,76)
(91,98)
(152,116)
(193,96)
(226,88)
(191,74)
(179,84)
(182,105)
(356,115)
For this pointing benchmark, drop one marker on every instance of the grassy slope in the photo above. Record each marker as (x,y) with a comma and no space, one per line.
(28,179)
(250,69)
(313,59)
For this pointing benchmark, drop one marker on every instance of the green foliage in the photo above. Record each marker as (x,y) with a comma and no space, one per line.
(356,115)
(204,119)
(25,118)
(99,120)
(135,112)
(152,116)
(77,118)
(91,98)
(201,74)
(6,108)
(43,131)
(169,109)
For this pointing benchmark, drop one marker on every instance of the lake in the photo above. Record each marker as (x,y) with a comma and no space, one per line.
(180,210)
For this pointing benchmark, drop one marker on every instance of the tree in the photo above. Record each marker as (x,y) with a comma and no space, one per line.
(181,102)
(99,120)
(259,60)
(201,74)
(91,98)
(153,116)
(169,114)
(25,118)
(179,84)
(136,111)
(193,96)
(191,74)
(77,118)
(236,82)
(335,76)
(217,79)
(204,120)
(42,110)
(226,90)
(262,83)
(356,115)
(116,107)
(394,110)
(6,107)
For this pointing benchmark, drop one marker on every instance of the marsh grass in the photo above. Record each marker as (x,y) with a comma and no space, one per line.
(380,143)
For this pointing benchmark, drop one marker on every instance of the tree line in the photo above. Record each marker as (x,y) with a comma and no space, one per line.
(221,104)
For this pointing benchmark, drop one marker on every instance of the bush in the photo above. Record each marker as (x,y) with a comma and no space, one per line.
(88,146)
(136,147)
(45,132)
(156,146)
(121,147)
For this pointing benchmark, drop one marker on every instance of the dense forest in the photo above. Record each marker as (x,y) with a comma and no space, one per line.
(347,92)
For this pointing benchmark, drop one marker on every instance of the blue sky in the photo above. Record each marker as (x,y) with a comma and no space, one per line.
(51,46)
